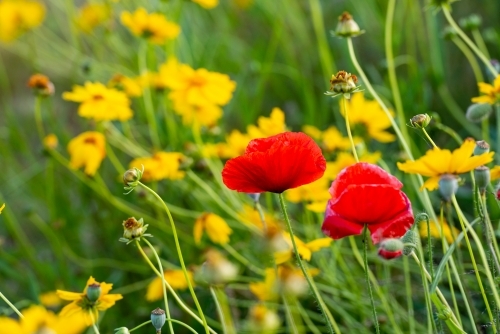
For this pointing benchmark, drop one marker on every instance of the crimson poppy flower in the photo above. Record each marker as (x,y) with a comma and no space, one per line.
(365,194)
(389,255)
(275,164)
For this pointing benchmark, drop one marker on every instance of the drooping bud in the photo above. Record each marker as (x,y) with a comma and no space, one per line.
(343,83)
(445,314)
(478,112)
(420,121)
(131,179)
(134,229)
(347,27)
(471,22)
(409,240)
(482,177)
(481,147)
(122,330)
(158,319)
(421,217)
(41,85)
(448,186)
(93,292)
(390,248)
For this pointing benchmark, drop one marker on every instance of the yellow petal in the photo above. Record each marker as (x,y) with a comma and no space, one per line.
(317,244)
(282,257)
(431,184)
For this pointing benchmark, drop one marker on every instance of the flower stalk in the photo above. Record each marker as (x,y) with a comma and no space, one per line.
(368,284)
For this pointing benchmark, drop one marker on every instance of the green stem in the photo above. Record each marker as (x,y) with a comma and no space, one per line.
(429,246)
(329,320)
(243,260)
(179,253)
(348,127)
(223,310)
(141,325)
(38,117)
(409,295)
(368,284)
(470,58)
(11,306)
(167,309)
(429,138)
(326,59)
(476,34)
(497,113)
(94,326)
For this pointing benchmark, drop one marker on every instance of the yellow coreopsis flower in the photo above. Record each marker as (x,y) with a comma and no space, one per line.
(344,159)
(154,27)
(175,278)
(331,139)
(217,229)
(370,115)
(495,173)
(38,320)
(491,92)
(305,249)
(207,4)
(263,320)
(87,150)
(268,126)
(131,87)
(100,103)
(315,194)
(450,233)
(91,16)
(250,215)
(162,165)
(50,299)
(19,16)
(437,162)
(82,305)
(206,114)
(268,289)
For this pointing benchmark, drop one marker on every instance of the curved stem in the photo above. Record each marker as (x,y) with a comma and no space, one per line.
(179,254)
(11,305)
(368,284)
(348,127)
(429,138)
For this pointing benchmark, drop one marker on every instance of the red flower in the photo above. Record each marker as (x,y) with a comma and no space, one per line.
(365,194)
(275,164)
(389,255)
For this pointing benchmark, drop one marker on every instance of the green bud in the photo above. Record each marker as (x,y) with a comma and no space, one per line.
(448,186)
(478,112)
(158,319)
(445,314)
(421,217)
(409,240)
(471,22)
(481,147)
(122,330)
(482,177)
(94,292)
(347,27)
(420,121)
(131,179)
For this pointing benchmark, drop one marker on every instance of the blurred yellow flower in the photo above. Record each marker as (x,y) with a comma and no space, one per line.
(99,102)
(305,249)
(495,173)
(268,126)
(243,4)
(268,289)
(50,141)
(152,80)
(154,27)
(87,150)
(250,215)
(207,114)
(19,16)
(38,320)
(370,115)
(331,139)
(50,299)
(81,305)
(217,229)
(437,162)
(262,320)
(207,4)
(491,92)
(2,207)
(162,165)
(344,159)
(91,16)
(175,278)
(315,194)
(449,233)
(130,86)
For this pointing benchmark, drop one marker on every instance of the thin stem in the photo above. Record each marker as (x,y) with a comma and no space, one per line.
(467,40)
(476,34)
(470,58)
(223,310)
(368,284)
(348,127)
(38,117)
(11,306)
(167,310)
(94,326)
(243,260)
(329,321)
(429,246)
(219,310)
(429,138)
(490,234)
(409,295)
(141,325)
(179,253)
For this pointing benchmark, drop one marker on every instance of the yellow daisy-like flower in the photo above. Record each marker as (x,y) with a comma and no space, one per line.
(437,162)
(250,215)
(38,320)
(154,27)
(207,4)
(268,126)
(152,80)
(91,16)
(345,159)
(315,194)
(162,165)
(2,207)
(263,320)
(491,92)
(305,249)
(450,233)
(495,173)
(50,141)
(235,145)
(371,116)
(87,150)
(206,115)
(331,139)
(83,306)
(19,16)
(100,103)
(217,229)
(175,278)
(131,87)
(50,299)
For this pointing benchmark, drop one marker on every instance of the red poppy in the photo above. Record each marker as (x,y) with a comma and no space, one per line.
(365,194)
(389,255)
(275,164)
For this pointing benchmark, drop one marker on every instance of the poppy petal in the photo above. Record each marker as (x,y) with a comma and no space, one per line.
(337,227)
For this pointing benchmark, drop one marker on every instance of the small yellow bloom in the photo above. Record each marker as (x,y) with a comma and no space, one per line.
(268,289)
(99,102)
(2,207)
(268,126)
(449,233)
(491,92)
(50,141)
(162,165)
(207,4)
(175,278)
(81,304)
(19,16)
(154,27)
(305,249)
(345,159)
(206,115)
(371,116)
(130,86)
(250,215)
(495,173)
(437,162)
(50,299)
(315,194)
(217,229)
(152,80)
(41,85)
(87,150)
(91,16)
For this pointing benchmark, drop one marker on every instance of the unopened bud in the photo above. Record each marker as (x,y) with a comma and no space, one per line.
(471,22)
(122,330)
(482,177)
(448,186)
(134,229)
(131,179)
(421,217)
(41,85)
(409,240)
(390,248)
(481,147)
(343,83)
(478,112)
(347,27)
(94,292)
(420,121)
(158,319)
(445,314)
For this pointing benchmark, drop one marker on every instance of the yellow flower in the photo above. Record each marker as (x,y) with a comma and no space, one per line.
(491,92)
(175,278)
(83,306)
(250,215)
(345,159)
(99,102)
(207,114)
(130,86)
(449,233)
(154,27)
(370,115)
(50,141)
(19,16)
(91,16)
(268,126)
(38,320)
(495,173)
(315,194)
(268,289)
(217,229)
(207,4)
(305,249)
(331,139)
(2,207)
(437,162)
(262,320)
(162,165)
(50,299)
(87,150)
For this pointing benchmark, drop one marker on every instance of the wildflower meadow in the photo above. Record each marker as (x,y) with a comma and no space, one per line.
(249,166)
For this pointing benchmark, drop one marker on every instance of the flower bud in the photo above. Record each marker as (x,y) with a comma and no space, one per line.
(481,147)
(390,248)
(94,292)
(478,112)
(343,83)
(482,177)
(347,27)
(471,22)
(409,240)
(41,85)
(421,217)
(420,121)
(445,314)
(122,330)
(448,186)
(50,141)
(131,179)
(134,229)
(158,319)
